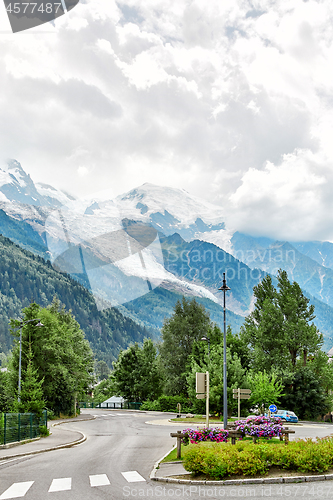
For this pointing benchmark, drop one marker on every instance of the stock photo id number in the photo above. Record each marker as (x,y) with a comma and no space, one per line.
(27,15)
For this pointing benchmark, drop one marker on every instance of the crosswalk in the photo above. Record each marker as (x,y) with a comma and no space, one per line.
(19,490)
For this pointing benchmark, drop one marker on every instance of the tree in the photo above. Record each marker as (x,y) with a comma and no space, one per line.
(238,345)
(279,331)
(189,322)
(301,337)
(281,336)
(306,395)
(104,390)
(236,377)
(6,396)
(102,370)
(31,394)
(136,373)
(60,355)
(266,389)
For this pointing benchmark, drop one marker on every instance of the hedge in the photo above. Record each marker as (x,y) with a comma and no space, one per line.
(219,460)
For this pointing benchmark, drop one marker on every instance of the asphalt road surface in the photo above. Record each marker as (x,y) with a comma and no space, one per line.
(115,463)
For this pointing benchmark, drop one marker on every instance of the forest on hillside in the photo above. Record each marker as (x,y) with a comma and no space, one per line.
(25,277)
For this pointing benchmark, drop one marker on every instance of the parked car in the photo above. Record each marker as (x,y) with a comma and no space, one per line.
(287,416)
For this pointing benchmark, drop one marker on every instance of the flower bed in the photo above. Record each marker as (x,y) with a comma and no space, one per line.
(253,426)
(260,427)
(197,436)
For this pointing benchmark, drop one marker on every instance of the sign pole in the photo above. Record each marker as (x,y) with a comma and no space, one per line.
(238,403)
(207,400)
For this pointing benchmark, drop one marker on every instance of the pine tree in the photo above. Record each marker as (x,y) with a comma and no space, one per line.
(279,331)
(31,395)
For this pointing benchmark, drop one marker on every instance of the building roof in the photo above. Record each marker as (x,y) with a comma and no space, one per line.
(115,399)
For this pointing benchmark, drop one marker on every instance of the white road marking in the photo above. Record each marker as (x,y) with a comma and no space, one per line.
(61,484)
(103,416)
(133,476)
(99,480)
(16,490)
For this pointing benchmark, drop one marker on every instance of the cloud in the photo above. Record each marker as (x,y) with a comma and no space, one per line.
(288,202)
(225,99)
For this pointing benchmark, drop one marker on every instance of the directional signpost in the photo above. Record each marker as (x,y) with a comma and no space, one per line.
(202,390)
(241,394)
(272,409)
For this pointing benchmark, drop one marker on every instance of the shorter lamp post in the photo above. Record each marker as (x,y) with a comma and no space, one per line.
(207,339)
(20,355)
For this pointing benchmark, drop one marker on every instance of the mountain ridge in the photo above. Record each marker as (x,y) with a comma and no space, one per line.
(189,231)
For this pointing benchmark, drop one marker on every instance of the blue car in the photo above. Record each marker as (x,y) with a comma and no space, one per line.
(285,415)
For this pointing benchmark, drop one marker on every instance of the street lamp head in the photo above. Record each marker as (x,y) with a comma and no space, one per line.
(224,286)
(39,323)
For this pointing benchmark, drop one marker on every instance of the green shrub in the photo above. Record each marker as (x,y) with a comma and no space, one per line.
(2,417)
(219,460)
(51,415)
(167,403)
(44,431)
(151,406)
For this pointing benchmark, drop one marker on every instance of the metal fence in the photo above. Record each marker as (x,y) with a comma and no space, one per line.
(20,426)
(113,406)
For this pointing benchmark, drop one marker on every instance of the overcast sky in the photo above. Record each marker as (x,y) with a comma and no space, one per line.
(231,100)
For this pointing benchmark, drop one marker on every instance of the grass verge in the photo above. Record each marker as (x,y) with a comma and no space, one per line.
(198,419)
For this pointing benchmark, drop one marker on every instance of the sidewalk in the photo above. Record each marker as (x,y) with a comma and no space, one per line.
(60,438)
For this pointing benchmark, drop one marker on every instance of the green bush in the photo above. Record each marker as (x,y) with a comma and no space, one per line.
(151,406)
(44,431)
(167,403)
(219,460)
(51,415)
(1,427)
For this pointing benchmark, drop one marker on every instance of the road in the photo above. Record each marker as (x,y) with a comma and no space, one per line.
(115,463)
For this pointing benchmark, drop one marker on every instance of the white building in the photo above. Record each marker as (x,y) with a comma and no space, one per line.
(113,402)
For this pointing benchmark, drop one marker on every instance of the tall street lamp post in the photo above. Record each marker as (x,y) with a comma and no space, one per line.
(20,355)
(224,288)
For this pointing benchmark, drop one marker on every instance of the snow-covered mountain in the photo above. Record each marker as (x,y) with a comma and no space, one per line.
(111,246)
(172,210)
(17,186)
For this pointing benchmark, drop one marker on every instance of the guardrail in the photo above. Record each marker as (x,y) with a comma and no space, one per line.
(16,427)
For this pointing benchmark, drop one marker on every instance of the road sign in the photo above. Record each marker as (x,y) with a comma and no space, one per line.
(272,408)
(241,396)
(200,383)
(242,391)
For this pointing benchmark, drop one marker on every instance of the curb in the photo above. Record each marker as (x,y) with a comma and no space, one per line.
(157,464)
(59,447)
(69,420)
(17,443)
(229,482)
